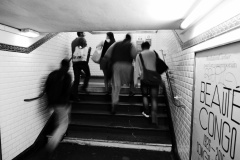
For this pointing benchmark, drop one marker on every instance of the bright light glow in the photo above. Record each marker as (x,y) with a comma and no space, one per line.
(201,10)
(168,10)
(29,33)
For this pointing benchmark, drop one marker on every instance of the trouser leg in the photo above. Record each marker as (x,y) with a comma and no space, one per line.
(154,96)
(76,71)
(86,70)
(62,121)
(144,90)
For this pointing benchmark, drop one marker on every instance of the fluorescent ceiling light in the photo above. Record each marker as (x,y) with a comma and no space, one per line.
(29,33)
(201,10)
(124,32)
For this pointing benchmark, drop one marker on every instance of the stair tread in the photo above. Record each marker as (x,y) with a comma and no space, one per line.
(104,94)
(107,113)
(120,103)
(120,124)
(127,137)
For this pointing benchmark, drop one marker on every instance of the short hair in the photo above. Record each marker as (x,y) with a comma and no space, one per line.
(145,45)
(80,34)
(128,37)
(65,63)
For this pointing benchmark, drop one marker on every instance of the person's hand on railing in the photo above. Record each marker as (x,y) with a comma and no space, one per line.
(32,99)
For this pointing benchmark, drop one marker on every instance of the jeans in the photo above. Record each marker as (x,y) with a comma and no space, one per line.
(77,68)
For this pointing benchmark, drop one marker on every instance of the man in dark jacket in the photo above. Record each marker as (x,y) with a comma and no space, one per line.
(79,66)
(58,89)
(120,56)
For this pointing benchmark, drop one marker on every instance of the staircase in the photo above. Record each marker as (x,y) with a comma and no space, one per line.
(93,124)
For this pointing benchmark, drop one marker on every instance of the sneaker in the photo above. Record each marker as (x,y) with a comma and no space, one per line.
(145,115)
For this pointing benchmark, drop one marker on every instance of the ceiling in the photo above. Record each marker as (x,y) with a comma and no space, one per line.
(94,15)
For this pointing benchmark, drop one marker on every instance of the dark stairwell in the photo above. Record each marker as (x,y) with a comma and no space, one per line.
(92,124)
(95,134)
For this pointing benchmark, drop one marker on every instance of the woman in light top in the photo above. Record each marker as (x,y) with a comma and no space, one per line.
(105,45)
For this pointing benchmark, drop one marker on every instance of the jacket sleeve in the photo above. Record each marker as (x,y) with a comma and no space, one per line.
(133,51)
(137,70)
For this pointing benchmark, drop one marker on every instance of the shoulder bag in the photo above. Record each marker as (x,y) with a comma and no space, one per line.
(150,77)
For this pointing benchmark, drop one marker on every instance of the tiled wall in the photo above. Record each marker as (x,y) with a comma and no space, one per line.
(22,76)
(181,68)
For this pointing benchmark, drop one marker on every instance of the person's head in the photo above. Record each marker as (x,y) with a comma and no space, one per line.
(80,34)
(110,37)
(145,45)
(65,64)
(128,38)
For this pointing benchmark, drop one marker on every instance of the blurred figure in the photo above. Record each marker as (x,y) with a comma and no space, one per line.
(58,89)
(79,59)
(149,58)
(120,57)
(105,45)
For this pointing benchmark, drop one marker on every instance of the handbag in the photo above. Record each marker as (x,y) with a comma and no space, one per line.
(160,65)
(150,77)
(97,55)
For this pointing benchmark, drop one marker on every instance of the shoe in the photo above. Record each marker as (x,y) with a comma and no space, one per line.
(131,94)
(113,109)
(108,93)
(74,98)
(84,90)
(145,115)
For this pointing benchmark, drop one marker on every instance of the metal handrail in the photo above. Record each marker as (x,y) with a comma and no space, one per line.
(32,99)
(170,87)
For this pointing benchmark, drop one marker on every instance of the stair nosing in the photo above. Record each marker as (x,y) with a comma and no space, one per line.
(159,115)
(122,127)
(120,103)
(122,142)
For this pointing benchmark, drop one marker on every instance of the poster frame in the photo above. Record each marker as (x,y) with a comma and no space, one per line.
(194,82)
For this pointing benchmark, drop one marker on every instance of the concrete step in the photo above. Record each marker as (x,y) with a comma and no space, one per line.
(72,149)
(119,131)
(122,97)
(99,88)
(119,117)
(122,107)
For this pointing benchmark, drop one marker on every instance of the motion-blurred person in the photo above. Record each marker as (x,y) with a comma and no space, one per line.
(120,57)
(105,45)
(79,59)
(149,59)
(58,90)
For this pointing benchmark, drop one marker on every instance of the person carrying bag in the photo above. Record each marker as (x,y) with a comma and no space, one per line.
(146,67)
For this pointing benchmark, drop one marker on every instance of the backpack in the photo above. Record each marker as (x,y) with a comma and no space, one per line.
(160,64)
(80,54)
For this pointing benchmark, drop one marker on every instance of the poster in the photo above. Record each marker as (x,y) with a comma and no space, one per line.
(216,112)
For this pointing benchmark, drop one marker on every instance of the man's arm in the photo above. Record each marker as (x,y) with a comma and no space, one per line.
(133,52)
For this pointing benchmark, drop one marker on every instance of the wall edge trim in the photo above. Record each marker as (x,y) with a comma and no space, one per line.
(12,48)
(222,28)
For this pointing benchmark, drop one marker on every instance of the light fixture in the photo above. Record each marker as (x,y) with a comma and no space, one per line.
(29,33)
(203,7)
(124,32)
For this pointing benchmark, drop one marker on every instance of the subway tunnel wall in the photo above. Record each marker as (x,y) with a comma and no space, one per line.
(23,76)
